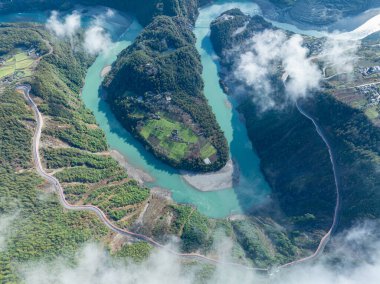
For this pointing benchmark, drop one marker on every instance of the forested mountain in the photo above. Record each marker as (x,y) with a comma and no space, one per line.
(293,157)
(158,79)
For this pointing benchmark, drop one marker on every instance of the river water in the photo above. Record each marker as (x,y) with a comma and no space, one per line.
(252,188)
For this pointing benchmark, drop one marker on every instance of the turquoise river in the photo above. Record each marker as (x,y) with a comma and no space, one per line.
(252,188)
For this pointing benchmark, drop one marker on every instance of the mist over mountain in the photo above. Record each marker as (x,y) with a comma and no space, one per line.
(189,141)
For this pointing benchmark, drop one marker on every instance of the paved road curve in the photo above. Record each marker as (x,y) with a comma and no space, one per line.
(326,238)
(25,89)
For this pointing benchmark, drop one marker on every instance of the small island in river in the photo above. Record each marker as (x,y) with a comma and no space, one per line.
(155,89)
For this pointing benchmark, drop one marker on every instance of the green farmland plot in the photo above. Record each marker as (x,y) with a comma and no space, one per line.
(6,71)
(207,151)
(20,63)
(171,136)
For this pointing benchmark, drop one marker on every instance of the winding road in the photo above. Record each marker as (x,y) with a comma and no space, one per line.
(325,239)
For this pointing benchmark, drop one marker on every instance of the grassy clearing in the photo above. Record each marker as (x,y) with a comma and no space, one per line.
(6,71)
(162,131)
(24,64)
(371,112)
(19,62)
(359,103)
(21,56)
(207,151)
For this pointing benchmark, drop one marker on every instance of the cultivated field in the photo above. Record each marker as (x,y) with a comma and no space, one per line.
(18,65)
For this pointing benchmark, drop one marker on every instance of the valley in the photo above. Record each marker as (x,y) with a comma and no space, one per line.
(157,142)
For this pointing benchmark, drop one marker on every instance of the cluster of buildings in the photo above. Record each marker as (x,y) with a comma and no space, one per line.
(370,70)
(175,136)
(157,98)
(371,92)
(150,70)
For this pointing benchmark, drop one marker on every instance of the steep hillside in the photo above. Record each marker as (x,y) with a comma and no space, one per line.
(155,89)
(293,157)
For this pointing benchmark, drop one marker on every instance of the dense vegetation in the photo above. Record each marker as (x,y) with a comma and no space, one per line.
(24,198)
(356,143)
(138,252)
(293,157)
(263,243)
(31,235)
(297,167)
(109,198)
(15,137)
(69,157)
(222,28)
(89,175)
(12,36)
(161,73)
(192,227)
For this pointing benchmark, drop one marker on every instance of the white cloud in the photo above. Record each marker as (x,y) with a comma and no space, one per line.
(5,224)
(257,65)
(358,250)
(67,27)
(304,75)
(96,40)
(110,13)
(269,50)
(94,265)
(340,54)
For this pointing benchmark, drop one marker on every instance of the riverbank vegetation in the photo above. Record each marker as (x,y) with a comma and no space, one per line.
(155,87)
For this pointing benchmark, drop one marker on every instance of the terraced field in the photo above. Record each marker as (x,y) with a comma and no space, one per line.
(175,138)
(19,64)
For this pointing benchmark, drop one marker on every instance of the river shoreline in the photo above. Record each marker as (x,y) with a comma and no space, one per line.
(105,71)
(137,174)
(223,179)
